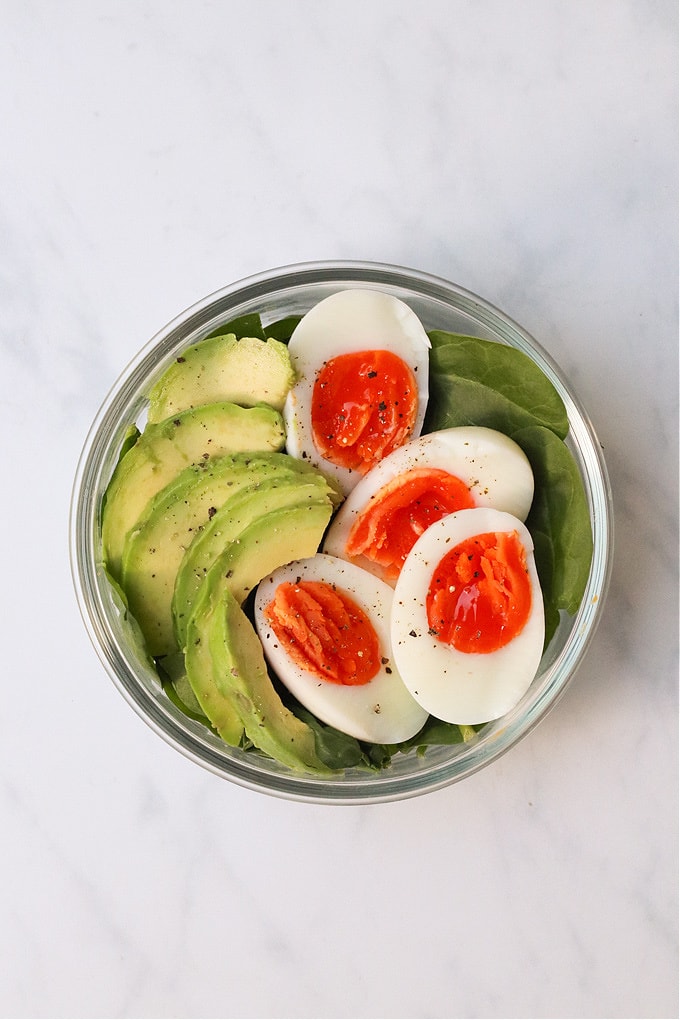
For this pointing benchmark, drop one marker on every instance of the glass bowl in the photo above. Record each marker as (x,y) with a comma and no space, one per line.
(275,294)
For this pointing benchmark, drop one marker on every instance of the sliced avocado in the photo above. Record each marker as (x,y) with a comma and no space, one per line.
(153,550)
(290,533)
(217,706)
(223,655)
(164,449)
(239,672)
(173,676)
(244,371)
(240,510)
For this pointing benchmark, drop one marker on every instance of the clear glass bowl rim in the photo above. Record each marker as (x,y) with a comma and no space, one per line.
(252,772)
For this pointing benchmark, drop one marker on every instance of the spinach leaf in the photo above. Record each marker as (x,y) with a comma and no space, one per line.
(335,749)
(435,731)
(544,555)
(377,756)
(131,436)
(510,374)
(559,520)
(177,693)
(282,329)
(249,325)
(456,401)
(175,682)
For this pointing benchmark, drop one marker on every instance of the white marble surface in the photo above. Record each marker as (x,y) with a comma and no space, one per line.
(151,152)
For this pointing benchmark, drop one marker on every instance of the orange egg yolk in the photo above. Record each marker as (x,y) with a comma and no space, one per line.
(480,594)
(363,406)
(399,513)
(325,632)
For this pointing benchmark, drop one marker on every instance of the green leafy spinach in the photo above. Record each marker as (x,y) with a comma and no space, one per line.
(480,382)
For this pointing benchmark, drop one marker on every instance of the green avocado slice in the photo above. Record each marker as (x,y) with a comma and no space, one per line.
(217,706)
(153,550)
(275,538)
(166,448)
(223,655)
(227,525)
(245,371)
(240,673)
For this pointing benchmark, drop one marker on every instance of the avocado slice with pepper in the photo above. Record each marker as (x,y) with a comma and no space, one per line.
(223,655)
(245,371)
(297,488)
(163,450)
(154,548)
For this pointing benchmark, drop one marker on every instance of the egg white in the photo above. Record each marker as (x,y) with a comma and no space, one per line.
(459,687)
(347,322)
(492,466)
(381,711)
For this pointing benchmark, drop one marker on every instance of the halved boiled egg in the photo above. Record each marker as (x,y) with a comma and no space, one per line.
(467,616)
(361,359)
(324,626)
(421,482)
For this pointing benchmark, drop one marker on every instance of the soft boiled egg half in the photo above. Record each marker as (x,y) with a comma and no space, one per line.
(467,618)
(420,483)
(361,360)
(325,628)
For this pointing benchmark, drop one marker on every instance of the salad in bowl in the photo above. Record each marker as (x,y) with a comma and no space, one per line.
(342,532)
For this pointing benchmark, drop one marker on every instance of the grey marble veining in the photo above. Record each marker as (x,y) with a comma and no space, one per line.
(153,152)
